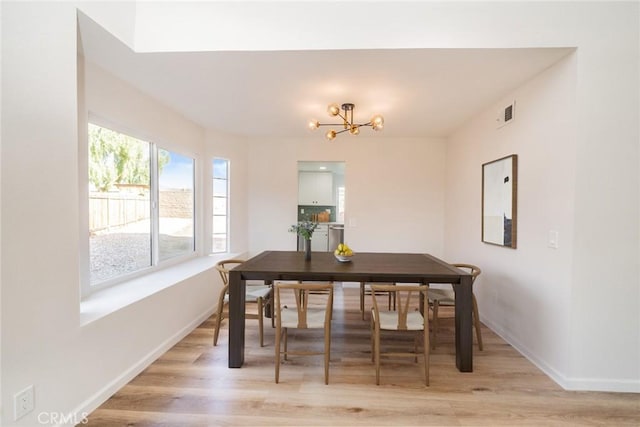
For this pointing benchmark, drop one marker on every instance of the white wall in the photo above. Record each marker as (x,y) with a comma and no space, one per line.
(523,294)
(39,253)
(42,342)
(112,103)
(234,149)
(71,366)
(605,338)
(1,403)
(394,189)
(576,132)
(1,410)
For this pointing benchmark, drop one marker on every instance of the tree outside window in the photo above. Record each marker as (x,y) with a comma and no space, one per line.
(128,232)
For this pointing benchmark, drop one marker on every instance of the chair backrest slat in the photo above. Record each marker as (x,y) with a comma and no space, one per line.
(302,293)
(403,297)
(302,301)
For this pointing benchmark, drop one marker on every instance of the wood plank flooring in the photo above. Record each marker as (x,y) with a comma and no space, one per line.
(190,385)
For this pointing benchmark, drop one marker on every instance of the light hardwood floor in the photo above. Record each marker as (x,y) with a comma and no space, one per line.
(190,385)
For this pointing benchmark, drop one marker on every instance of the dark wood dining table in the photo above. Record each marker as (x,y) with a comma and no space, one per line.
(364,267)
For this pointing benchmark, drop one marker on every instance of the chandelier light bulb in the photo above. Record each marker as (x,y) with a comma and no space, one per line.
(355,130)
(377,122)
(333,110)
(331,135)
(314,124)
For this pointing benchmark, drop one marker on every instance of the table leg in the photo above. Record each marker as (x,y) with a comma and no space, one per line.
(464,324)
(236,319)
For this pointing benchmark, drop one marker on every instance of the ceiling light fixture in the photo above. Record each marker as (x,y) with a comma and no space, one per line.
(376,122)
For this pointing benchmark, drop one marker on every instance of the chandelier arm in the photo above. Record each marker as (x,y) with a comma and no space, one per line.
(344,118)
(341,124)
(346,113)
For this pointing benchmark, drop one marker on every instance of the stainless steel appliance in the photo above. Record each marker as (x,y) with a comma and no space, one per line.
(336,236)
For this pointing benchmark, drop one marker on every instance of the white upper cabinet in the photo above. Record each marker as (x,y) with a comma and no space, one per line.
(315,188)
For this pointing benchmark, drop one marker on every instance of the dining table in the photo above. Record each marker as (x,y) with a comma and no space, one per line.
(270,266)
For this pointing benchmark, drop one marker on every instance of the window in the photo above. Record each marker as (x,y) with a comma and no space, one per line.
(220,205)
(340,209)
(141,205)
(175,202)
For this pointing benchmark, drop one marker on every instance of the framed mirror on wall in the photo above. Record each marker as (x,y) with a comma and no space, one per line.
(499,201)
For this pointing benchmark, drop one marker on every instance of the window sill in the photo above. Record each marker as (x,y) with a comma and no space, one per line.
(109,300)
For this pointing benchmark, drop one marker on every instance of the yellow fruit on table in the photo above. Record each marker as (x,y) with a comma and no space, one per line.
(343,250)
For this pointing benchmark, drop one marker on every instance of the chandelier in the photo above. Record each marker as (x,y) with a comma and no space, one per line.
(346,114)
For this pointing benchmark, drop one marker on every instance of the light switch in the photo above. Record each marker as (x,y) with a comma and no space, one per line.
(553,239)
(353,222)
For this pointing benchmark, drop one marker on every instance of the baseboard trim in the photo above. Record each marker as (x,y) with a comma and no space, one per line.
(574,384)
(93,402)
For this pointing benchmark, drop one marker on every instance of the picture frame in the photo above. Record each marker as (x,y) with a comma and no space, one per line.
(499,201)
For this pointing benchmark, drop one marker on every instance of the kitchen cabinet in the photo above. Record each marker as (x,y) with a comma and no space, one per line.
(320,239)
(315,188)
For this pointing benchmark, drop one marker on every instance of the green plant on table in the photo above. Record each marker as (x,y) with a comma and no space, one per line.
(304,229)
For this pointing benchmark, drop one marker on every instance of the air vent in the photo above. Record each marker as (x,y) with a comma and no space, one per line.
(506,115)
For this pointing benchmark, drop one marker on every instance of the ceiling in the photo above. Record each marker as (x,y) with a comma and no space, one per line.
(420,92)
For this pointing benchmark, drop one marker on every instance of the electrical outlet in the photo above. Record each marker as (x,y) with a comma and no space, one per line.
(23,402)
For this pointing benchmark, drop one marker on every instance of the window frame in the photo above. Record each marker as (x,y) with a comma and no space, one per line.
(87,288)
(227,214)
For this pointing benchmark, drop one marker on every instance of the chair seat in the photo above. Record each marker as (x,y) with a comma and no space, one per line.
(389,321)
(257,291)
(405,318)
(444,296)
(303,312)
(253,292)
(315,318)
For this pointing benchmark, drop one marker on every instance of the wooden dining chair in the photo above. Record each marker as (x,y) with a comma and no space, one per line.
(257,295)
(321,291)
(365,289)
(309,307)
(406,318)
(447,297)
